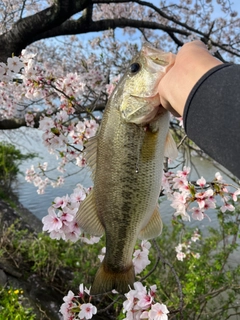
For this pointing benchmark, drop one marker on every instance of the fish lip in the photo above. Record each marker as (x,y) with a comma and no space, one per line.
(157,59)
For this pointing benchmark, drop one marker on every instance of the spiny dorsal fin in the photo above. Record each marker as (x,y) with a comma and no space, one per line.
(154,227)
(90,154)
(87,217)
(170,149)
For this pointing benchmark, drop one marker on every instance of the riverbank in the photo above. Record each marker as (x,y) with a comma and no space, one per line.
(45,300)
(44,297)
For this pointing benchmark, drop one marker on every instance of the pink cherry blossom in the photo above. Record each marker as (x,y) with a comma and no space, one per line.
(180,183)
(227,207)
(130,302)
(60,202)
(218,177)
(181,256)
(145,300)
(235,194)
(202,196)
(87,311)
(67,306)
(51,222)
(140,260)
(15,64)
(90,240)
(145,245)
(201,182)
(184,172)
(197,214)
(158,312)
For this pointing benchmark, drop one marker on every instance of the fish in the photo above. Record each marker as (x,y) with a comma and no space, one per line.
(126,159)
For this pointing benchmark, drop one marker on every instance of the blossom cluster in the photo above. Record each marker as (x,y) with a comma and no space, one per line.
(37,92)
(140,257)
(67,141)
(75,307)
(140,304)
(61,219)
(184,249)
(57,135)
(197,198)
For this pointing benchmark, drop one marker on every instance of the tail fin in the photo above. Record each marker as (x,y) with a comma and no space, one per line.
(106,280)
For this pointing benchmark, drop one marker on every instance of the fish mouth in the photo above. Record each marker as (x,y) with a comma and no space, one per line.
(157,60)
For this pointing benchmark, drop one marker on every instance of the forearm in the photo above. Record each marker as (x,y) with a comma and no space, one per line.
(212,115)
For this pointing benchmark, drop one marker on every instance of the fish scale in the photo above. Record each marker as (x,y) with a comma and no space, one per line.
(126,158)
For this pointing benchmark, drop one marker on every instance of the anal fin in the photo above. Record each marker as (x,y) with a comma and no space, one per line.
(154,227)
(87,217)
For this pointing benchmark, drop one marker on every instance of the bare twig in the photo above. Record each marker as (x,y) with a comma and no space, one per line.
(166,262)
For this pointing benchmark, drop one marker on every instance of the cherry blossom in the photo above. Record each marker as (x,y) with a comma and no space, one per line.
(140,304)
(87,311)
(75,306)
(67,306)
(197,214)
(51,222)
(140,260)
(201,182)
(235,194)
(158,312)
(15,64)
(140,257)
(61,219)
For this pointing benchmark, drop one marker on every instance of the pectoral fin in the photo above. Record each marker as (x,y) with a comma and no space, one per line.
(170,149)
(87,217)
(154,227)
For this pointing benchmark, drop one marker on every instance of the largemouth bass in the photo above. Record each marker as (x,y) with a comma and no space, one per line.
(126,159)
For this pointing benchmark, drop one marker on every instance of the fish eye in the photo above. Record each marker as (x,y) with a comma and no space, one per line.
(135,67)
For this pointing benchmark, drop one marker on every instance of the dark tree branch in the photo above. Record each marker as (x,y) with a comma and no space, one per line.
(13,123)
(25,30)
(80,26)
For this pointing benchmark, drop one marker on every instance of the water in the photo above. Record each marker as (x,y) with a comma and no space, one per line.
(29,140)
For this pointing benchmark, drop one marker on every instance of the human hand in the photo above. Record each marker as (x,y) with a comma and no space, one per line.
(192,62)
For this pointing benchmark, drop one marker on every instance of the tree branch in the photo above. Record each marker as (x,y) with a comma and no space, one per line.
(79,26)
(26,30)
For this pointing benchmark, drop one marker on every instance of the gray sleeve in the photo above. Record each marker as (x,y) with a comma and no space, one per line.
(212,115)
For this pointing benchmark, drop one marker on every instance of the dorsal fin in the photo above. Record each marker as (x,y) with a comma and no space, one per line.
(90,154)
